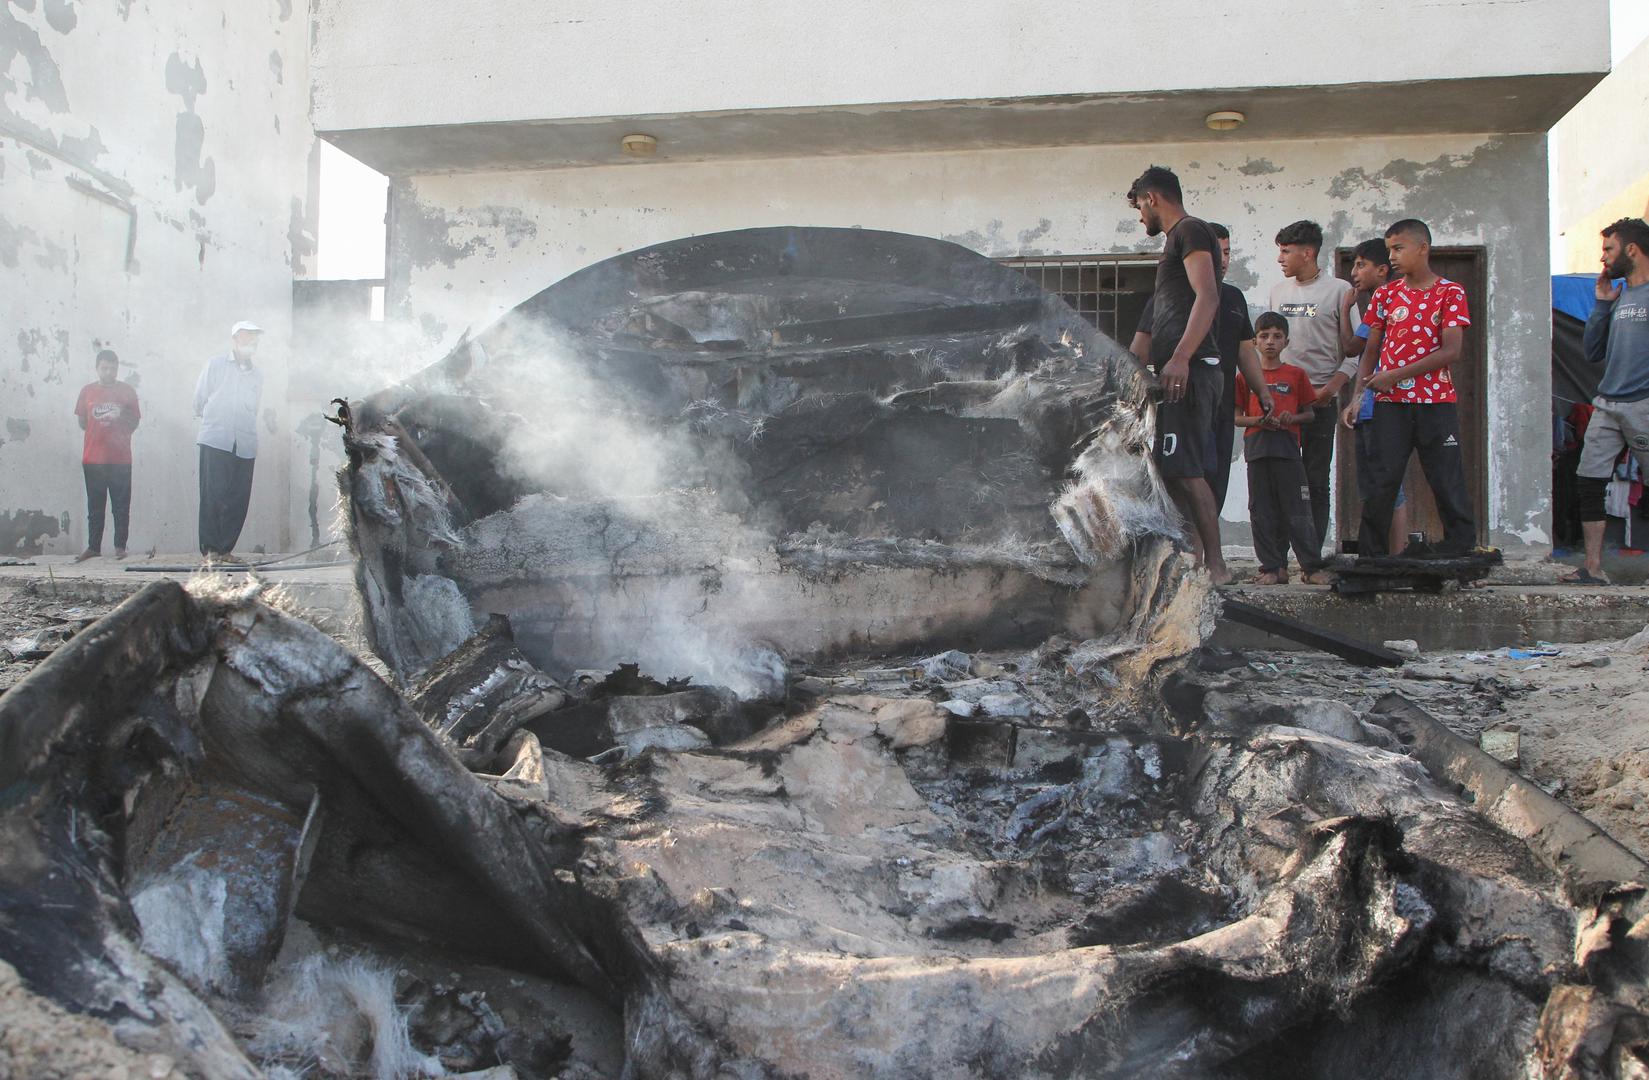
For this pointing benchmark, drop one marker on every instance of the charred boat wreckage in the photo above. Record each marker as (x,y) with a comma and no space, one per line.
(779,665)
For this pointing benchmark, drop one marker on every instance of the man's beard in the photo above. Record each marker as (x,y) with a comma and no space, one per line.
(1153,226)
(1622,266)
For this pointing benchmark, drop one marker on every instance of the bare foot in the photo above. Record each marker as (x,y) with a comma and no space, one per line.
(1272,577)
(1318,577)
(84,555)
(1219,573)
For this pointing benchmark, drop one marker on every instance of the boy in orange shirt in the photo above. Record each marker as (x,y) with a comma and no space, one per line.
(1279,496)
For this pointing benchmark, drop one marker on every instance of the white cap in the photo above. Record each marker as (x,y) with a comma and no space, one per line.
(244,325)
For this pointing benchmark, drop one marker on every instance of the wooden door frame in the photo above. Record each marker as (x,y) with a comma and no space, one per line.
(1475,354)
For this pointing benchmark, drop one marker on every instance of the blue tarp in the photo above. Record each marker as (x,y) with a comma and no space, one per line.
(1574,294)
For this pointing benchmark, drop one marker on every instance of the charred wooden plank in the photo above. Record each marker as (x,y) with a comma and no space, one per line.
(1363,653)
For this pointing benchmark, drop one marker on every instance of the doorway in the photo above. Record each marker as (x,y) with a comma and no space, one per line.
(1466,265)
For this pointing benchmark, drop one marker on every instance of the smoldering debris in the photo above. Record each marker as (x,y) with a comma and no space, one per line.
(1070,886)
(773,441)
(838,723)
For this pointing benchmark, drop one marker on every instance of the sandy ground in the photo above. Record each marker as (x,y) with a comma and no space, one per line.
(1582,714)
(40,1041)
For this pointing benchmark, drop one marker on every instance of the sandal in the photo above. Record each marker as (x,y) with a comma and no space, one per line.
(1583,576)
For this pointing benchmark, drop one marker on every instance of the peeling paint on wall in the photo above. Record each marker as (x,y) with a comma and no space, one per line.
(192,168)
(423,236)
(17,428)
(60,15)
(12,239)
(45,81)
(276,66)
(1258,167)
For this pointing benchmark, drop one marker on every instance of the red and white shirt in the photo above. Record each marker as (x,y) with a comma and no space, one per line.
(1411,322)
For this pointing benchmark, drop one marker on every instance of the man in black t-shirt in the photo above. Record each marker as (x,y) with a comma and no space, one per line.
(1184,351)
(1235,333)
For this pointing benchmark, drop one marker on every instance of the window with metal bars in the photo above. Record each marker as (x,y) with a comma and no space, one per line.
(1108,290)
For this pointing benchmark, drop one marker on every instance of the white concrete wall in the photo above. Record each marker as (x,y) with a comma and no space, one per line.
(389,63)
(1600,163)
(194,115)
(465,248)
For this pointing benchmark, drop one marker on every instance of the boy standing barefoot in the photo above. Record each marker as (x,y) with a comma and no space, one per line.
(1279,495)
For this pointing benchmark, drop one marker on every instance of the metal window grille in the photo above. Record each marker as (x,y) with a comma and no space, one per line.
(1107,290)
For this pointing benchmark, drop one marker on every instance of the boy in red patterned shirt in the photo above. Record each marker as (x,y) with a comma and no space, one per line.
(1416,330)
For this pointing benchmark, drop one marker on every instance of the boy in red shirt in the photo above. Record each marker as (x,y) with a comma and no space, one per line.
(1279,495)
(1416,330)
(108,414)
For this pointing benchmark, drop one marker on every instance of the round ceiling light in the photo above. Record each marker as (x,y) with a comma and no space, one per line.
(639,145)
(1224,120)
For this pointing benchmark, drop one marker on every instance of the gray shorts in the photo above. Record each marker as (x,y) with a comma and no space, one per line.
(1615,426)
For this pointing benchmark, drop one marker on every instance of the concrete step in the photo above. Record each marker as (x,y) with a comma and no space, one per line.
(1491,617)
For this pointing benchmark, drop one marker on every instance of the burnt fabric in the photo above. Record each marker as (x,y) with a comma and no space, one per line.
(1279,510)
(111,484)
(225,493)
(1433,432)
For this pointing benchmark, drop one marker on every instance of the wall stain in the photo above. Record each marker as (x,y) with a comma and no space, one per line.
(37,162)
(423,235)
(45,79)
(1029,236)
(54,257)
(17,428)
(276,66)
(12,239)
(285,7)
(1258,167)
(186,80)
(1241,273)
(191,167)
(60,15)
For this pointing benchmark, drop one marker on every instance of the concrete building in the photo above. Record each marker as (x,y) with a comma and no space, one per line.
(1010,128)
(1600,163)
(153,190)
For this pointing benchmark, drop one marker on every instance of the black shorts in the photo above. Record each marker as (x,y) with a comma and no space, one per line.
(1184,445)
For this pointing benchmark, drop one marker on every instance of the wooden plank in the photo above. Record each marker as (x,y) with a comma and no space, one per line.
(1362,653)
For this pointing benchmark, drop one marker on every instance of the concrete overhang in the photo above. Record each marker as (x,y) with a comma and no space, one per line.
(1523,103)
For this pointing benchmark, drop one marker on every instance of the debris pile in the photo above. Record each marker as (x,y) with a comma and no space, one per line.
(966,839)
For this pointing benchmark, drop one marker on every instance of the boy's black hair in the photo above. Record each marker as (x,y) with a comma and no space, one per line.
(1373,251)
(1307,233)
(1220,231)
(1270,320)
(1411,226)
(1159,179)
(106,354)
(1631,230)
